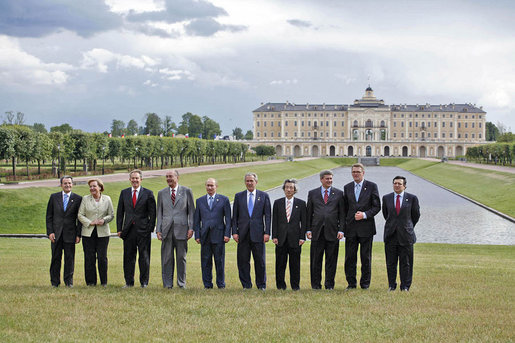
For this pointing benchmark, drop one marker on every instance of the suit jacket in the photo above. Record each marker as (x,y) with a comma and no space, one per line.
(177,217)
(321,215)
(402,223)
(368,202)
(60,222)
(215,221)
(259,223)
(142,217)
(295,228)
(90,210)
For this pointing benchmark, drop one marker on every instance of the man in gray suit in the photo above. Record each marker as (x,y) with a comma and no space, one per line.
(175,210)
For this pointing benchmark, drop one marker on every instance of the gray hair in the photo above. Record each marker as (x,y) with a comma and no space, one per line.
(254,175)
(325,172)
(65,177)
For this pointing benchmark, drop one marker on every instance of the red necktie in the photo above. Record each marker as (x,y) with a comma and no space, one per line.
(173,196)
(326,197)
(134,198)
(398,204)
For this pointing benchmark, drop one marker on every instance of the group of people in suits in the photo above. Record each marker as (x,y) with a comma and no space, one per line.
(328,216)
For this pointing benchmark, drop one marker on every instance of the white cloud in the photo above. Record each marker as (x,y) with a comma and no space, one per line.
(100,59)
(19,68)
(176,74)
(284,82)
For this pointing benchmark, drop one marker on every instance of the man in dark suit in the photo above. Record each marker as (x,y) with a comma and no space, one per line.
(324,220)
(135,221)
(401,212)
(175,209)
(251,230)
(361,204)
(288,234)
(212,225)
(63,229)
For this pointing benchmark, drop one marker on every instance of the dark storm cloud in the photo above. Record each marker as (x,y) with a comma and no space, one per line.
(208,26)
(37,18)
(299,23)
(180,10)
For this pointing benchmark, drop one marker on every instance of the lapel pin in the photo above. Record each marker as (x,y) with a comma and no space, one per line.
(259,199)
(296,206)
(365,188)
(217,199)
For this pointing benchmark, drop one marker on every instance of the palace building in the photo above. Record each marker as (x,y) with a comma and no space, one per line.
(369,128)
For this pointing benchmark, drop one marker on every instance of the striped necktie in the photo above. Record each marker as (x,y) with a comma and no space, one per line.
(65,201)
(288,210)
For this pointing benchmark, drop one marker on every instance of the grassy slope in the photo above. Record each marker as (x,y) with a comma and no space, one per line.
(460,293)
(23,211)
(492,188)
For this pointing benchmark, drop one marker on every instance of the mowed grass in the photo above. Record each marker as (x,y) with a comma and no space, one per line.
(24,210)
(460,293)
(492,188)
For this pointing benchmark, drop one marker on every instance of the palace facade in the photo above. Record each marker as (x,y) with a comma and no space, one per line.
(369,128)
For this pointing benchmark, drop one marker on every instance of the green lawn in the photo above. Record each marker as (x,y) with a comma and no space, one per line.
(492,188)
(23,210)
(460,293)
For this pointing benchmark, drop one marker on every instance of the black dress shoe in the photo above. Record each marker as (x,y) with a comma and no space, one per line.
(144,285)
(295,289)
(70,285)
(127,286)
(391,289)
(350,287)
(404,289)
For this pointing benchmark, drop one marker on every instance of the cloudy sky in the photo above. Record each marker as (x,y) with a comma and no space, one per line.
(89,62)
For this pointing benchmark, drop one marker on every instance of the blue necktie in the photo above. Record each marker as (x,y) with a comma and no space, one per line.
(65,201)
(251,204)
(357,191)
(210,203)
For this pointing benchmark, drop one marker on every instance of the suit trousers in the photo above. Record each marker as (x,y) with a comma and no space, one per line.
(208,252)
(95,248)
(281,259)
(351,260)
(402,254)
(69,262)
(318,248)
(245,247)
(136,243)
(168,245)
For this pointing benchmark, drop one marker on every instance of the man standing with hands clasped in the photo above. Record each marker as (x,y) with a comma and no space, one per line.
(63,230)
(324,220)
(288,234)
(212,225)
(135,221)
(401,212)
(175,211)
(361,204)
(251,230)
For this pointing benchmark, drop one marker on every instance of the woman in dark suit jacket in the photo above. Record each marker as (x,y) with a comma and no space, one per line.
(95,213)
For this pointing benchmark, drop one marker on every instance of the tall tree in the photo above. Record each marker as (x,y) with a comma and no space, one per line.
(168,126)
(191,124)
(249,135)
(117,128)
(9,117)
(492,132)
(132,127)
(63,128)
(210,128)
(237,133)
(39,127)
(152,124)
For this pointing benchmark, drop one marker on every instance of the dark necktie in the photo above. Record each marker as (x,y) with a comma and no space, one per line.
(398,204)
(326,196)
(210,203)
(173,196)
(134,198)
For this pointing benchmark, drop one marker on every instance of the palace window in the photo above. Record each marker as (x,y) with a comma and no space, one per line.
(258,124)
(286,134)
(402,124)
(272,134)
(272,124)
(295,123)
(343,134)
(264,123)
(343,123)
(394,124)
(286,123)
(443,134)
(450,124)
(450,135)
(443,124)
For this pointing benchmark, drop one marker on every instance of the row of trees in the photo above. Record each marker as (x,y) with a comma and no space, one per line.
(502,153)
(22,143)
(191,124)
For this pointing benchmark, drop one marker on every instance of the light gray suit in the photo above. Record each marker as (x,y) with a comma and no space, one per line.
(173,222)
